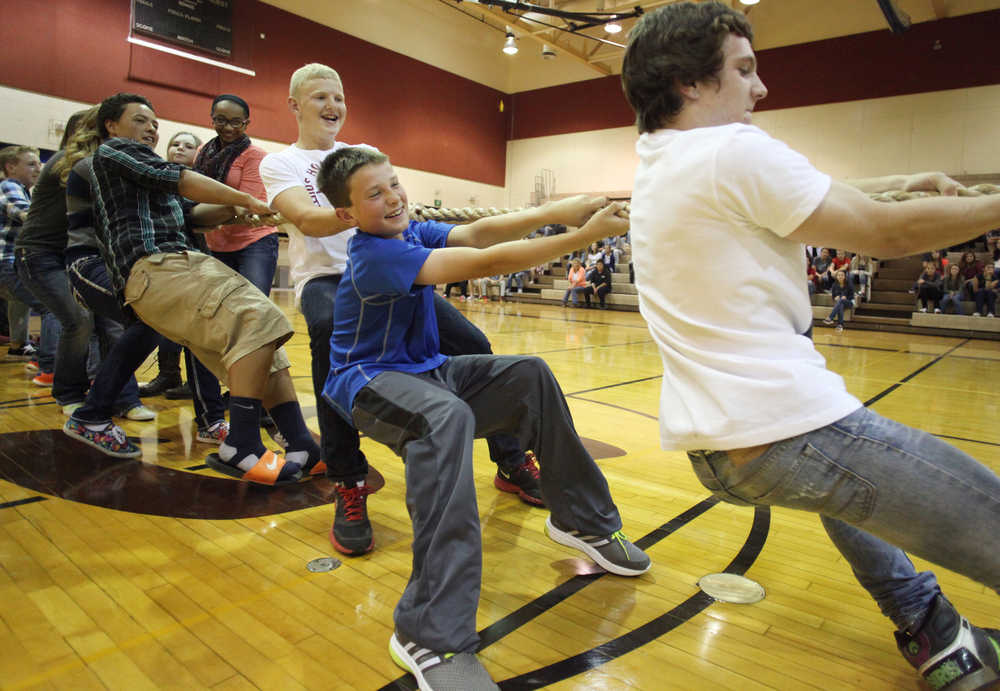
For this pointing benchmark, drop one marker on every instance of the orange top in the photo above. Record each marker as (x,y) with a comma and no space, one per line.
(244,175)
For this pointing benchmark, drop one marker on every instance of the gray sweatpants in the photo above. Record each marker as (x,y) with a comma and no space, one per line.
(430,420)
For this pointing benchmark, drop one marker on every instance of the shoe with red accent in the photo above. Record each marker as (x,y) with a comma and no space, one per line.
(108,438)
(314,469)
(214,434)
(351,533)
(32,367)
(522,481)
(43,379)
(267,469)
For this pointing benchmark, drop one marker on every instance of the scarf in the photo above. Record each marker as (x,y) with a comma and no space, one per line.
(215,158)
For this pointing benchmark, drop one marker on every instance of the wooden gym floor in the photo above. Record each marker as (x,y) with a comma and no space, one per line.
(160,574)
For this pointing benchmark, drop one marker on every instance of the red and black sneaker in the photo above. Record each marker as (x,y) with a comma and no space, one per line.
(351,533)
(522,481)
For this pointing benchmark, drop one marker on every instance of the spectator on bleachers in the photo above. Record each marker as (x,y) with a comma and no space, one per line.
(969,266)
(984,291)
(595,254)
(461,286)
(862,268)
(991,243)
(812,279)
(842,293)
(928,287)
(824,270)
(841,261)
(599,280)
(939,260)
(577,276)
(518,278)
(952,290)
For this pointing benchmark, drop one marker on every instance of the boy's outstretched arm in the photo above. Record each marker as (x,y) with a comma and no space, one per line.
(200,188)
(452,264)
(572,211)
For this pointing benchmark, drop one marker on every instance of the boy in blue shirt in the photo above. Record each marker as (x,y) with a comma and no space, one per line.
(389,380)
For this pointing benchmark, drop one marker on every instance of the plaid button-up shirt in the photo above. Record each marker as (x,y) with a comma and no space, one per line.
(138,209)
(14,202)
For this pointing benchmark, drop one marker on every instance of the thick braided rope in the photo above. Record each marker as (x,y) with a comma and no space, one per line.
(417,213)
(901,196)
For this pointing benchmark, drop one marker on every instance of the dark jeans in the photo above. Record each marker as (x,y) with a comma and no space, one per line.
(928,294)
(986,301)
(89,278)
(339,440)
(257,261)
(44,274)
(20,301)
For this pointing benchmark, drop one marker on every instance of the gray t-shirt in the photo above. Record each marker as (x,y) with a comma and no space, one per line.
(45,228)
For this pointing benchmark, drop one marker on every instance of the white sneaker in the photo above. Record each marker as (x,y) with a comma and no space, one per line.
(71,408)
(839,328)
(976,314)
(140,413)
(990,315)
(923,309)
(937,310)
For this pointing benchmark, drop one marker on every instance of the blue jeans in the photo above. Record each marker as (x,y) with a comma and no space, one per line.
(257,261)
(44,274)
(881,487)
(339,440)
(20,302)
(89,278)
(952,299)
(837,313)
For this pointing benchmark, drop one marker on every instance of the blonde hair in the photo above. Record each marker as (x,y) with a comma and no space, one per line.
(313,70)
(10,154)
(83,142)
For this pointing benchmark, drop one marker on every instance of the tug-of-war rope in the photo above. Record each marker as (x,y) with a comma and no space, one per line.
(418,212)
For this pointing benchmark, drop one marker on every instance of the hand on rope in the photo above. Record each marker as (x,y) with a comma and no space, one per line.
(918,192)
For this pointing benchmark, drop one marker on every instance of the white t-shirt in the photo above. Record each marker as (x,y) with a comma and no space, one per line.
(308,257)
(723,290)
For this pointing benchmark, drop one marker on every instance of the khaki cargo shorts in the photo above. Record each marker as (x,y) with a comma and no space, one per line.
(199,302)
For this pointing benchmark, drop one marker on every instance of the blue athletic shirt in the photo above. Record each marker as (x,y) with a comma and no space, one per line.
(382,321)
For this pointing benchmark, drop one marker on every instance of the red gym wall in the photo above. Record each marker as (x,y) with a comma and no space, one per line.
(424,117)
(427,118)
(869,65)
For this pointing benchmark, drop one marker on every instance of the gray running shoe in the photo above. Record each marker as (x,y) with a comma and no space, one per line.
(440,671)
(613,552)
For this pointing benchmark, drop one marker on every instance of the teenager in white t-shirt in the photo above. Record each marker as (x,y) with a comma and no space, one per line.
(317,257)
(744,390)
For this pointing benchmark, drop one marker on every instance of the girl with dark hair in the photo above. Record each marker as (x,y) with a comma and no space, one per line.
(231,158)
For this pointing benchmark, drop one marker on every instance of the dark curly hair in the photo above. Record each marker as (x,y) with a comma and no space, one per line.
(675,45)
(112,108)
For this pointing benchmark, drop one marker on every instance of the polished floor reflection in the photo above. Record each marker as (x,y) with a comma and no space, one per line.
(159,573)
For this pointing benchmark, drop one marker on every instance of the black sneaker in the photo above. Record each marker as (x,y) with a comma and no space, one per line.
(445,671)
(522,481)
(179,393)
(27,351)
(159,385)
(949,652)
(351,533)
(614,552)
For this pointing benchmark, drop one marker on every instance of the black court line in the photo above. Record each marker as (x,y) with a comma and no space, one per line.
(25,398)
(636,638)
(576,321)
(857,347)
(197,467)
(29,405)
(650,631)
(612,405)
(611,386)
(974,441)
(20,502)
(911,375)
(588,347)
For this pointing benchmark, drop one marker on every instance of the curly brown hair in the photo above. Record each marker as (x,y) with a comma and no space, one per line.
(82,143)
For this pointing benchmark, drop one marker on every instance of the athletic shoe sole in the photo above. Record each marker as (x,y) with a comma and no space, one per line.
(568,540)
(350,552)
(510,487)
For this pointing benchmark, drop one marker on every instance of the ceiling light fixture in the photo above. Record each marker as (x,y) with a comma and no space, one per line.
(613,27)
(509,45)
(749,2)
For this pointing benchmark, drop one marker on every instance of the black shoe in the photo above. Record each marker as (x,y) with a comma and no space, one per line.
(522,481)
(178,392)
(159,384)
(351,533)
(949,652)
